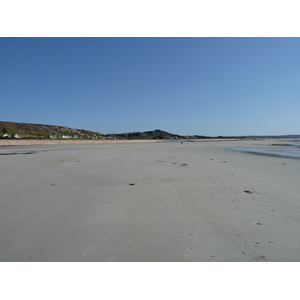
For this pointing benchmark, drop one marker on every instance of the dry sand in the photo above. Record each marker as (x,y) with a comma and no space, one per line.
(163,201)
(26,142)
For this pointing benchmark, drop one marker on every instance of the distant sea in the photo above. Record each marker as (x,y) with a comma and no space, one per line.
(289,150)
(293,144)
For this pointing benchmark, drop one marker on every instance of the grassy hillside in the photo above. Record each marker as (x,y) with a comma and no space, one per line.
(154,134)
(41,131)
(27,130)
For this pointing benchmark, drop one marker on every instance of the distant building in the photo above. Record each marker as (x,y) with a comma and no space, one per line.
(52,136)
(14,136)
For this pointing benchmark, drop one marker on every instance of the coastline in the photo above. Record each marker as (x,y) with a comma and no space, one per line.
(131,201)
(20,142)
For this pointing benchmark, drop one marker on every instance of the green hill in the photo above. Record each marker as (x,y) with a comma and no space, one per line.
(41,131)
(27,130)
(154,134)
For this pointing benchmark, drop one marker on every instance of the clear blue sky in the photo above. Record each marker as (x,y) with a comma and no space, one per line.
(204,86)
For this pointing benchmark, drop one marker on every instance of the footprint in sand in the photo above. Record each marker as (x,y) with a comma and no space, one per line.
(189,253)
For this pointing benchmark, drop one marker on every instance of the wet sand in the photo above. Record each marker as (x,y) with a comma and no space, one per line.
(162,201)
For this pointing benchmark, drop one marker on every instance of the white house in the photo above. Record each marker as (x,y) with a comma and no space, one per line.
(14,136)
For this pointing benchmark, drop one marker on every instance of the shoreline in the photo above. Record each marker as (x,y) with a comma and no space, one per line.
(21,142)
(17,142)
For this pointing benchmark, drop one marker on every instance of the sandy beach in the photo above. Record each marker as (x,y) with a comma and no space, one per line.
(148,202)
